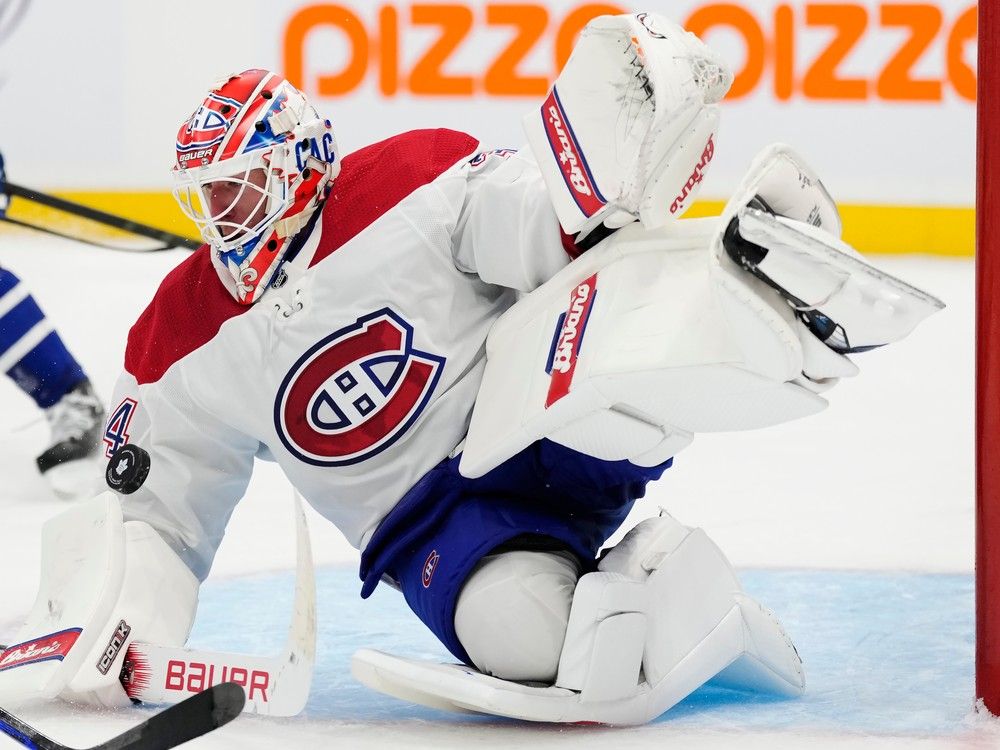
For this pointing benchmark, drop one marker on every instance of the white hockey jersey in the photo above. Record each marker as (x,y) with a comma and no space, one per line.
(359,372)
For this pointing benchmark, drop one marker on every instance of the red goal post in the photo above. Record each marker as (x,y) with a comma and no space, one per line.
(988,360)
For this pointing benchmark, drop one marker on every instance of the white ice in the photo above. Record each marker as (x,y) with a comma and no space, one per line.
(881,481)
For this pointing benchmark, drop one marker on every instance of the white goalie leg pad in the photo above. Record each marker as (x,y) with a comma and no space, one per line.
(103,583)
(512,612)
(664,615)
(783,227)
(696,624)
(692,590)
(633,348)
(627,129)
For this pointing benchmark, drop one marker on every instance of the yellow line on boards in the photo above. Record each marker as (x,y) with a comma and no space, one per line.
(896,230)
(931,230)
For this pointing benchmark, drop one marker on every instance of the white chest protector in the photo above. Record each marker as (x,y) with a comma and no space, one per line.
(358,374)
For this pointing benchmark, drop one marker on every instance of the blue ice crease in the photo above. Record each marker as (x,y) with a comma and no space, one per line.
(883,652)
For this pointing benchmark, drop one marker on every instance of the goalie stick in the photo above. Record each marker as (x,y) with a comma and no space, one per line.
(168,239)
(192,718)
(76,238)
(275,686)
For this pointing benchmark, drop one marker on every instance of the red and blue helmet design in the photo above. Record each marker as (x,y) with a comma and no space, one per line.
(254,161)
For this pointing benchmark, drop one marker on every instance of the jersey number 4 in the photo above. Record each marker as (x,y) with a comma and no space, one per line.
(116,434)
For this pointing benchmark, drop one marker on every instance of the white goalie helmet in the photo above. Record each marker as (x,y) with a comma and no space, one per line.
(254,162)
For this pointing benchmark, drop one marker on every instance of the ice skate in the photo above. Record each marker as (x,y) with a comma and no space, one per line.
(73,456)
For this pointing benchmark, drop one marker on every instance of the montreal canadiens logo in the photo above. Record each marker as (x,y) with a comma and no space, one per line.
(430,565)
(356,392)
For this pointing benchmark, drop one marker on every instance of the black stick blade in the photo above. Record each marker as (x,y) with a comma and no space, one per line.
(189,719)
(26,735)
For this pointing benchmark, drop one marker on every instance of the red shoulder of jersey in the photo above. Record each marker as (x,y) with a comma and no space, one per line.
(377,177)
(191,304)
(186,313)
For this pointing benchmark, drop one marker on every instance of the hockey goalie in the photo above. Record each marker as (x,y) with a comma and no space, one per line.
(472,361)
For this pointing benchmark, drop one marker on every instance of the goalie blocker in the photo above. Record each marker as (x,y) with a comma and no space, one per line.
(708,325)
(627,129)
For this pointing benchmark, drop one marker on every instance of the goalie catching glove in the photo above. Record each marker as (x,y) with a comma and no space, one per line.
(626,132)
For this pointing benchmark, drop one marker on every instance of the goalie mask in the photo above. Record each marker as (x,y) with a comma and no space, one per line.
(254,162)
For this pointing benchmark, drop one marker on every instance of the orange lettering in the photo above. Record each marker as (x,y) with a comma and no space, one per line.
(784,52)
(821,81)
(962,77)
(388,49)
(740,19)
(501,77)
(304,21)
(426,77)
(534,25)
(895,82)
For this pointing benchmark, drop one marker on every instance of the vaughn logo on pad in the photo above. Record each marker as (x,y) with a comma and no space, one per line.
(572,162)
(568,338)
(46,648)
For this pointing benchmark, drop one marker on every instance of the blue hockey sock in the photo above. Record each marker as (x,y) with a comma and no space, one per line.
(31,352)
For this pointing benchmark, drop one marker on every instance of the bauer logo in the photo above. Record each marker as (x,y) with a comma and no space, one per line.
(567,340)
(205,129)
(356,392)
(430,565)
(47,648)
(571,160)
(696,176)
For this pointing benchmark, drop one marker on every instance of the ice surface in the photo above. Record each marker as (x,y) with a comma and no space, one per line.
(883,652)
(855,526)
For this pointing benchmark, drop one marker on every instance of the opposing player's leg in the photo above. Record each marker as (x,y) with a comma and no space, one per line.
(34,356)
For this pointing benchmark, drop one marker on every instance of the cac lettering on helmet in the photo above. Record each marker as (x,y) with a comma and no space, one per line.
(320,148)
(771,50)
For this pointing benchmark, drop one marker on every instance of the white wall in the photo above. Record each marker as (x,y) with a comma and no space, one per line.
(91,93)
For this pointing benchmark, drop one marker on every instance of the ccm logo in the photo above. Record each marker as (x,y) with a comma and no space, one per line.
(114,646)
(399,34)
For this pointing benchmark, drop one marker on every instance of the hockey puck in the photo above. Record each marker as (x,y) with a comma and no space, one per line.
(127,469)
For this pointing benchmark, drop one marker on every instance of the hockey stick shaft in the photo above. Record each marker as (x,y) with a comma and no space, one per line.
(194,717)
(276,685)
(77,238)
(167,238)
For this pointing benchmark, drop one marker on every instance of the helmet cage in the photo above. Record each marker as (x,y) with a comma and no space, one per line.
(228,233)
(252,121)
